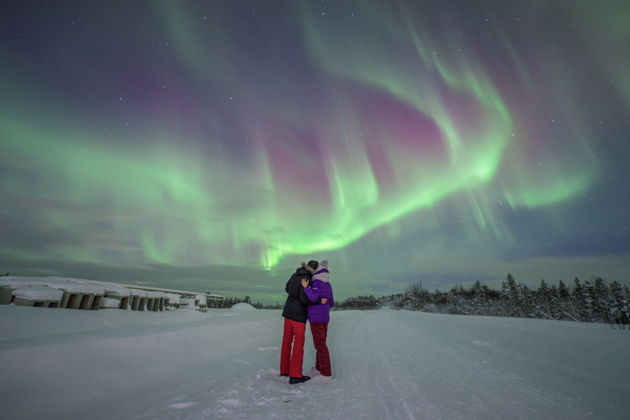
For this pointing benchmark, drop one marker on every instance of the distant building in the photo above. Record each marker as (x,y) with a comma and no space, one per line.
(69,293)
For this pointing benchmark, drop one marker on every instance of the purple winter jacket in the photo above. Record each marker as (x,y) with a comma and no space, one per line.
(320,288)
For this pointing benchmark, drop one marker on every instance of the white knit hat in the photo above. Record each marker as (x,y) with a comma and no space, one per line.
(323,264)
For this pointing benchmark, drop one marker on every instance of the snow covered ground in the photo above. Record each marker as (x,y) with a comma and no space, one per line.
(223,364)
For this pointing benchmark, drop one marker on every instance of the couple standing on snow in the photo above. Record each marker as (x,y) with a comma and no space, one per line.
(310,297)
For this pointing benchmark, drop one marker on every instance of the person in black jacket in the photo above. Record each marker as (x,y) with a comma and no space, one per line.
(294,314)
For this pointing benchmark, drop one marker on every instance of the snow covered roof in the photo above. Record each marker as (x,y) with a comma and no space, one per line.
(61,283)
(179,292)
(38,293)
(79,288)
(57,279)
(74,285)
(17,282)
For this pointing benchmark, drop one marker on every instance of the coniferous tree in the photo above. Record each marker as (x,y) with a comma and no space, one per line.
(625,306)
(587,300)
(478,299)
(615,304)
(563,292)
(600,299)
(555,307)
(577,300)
(526,301)
(543,296)
(509,293)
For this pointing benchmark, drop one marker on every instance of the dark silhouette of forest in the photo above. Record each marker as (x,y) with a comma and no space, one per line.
(593,300)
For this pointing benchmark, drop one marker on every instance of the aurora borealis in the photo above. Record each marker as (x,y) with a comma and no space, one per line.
(215,145)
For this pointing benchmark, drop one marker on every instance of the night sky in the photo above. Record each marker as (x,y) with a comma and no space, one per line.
(214,145)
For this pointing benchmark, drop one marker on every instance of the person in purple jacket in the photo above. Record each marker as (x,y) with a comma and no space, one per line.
(319,315)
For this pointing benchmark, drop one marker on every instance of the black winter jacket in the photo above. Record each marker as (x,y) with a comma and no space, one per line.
(295,306)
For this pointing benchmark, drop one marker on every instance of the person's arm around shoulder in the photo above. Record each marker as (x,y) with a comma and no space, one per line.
(295,288)
(311,294)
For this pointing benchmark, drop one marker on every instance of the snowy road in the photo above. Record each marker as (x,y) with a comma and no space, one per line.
(386,364)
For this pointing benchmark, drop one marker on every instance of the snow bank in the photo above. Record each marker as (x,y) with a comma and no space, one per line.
(173,299)
(242,307)
(111,303)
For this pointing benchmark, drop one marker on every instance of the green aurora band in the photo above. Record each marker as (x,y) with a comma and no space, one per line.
(381,124)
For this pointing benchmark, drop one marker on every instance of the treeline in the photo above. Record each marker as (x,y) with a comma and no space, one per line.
(592,300)
(358,302)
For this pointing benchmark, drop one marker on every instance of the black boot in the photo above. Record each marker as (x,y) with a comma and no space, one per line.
(299,380)
(284,374)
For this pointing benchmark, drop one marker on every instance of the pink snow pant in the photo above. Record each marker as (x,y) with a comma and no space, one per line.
(322,363)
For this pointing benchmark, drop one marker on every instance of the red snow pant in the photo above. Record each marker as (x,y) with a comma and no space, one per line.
(291,361)
(322,363)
